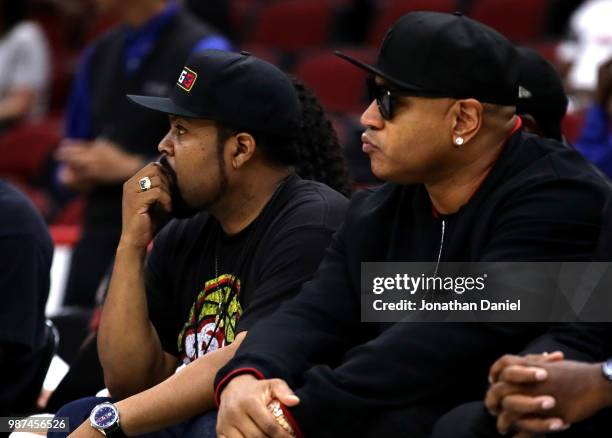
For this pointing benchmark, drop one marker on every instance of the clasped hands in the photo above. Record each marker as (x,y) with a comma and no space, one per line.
(543,393)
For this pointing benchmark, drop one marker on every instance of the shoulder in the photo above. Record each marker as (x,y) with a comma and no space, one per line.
(310,204)
(20,218)
(542,163)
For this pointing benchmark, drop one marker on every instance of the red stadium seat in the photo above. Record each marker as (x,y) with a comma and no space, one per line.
(395,9)
(293,24)
(65,234)
(262,51)
(26,147)
(339,85)
(71,214)
(519,20)
(102,24)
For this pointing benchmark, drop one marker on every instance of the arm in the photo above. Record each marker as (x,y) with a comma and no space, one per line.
(182,396)
(529,229)
(129,347)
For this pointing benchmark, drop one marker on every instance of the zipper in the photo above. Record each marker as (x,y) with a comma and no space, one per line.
(441,246)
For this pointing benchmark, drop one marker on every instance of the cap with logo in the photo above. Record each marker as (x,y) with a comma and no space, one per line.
(235,89)
(447,55)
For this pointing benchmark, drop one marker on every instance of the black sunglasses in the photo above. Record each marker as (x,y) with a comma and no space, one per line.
(384,96)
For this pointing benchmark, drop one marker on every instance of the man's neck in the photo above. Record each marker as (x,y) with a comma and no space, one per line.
(451,193)
(137,13)
(240,207)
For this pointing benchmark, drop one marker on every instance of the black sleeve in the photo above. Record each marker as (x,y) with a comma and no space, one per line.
(581,342)
(158,289)
(291,259)
(381,375)
(324,311)
(550,221)
(24,284)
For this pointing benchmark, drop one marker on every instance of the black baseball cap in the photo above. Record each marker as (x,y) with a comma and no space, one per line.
(541,93)
(236,89)
(447,55)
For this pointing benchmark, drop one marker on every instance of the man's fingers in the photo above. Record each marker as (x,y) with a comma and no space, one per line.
(265,421)
(545,357)
(502,363)
(524,404)
(504,422)
(156,181)
(541,425)
(496,393)
(249,428)
(523,435)
(152,196)
(231,432)
(281,391)
(522,374)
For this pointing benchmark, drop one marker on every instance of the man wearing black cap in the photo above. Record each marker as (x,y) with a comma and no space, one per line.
(465,183)
(543,102)
(259,231)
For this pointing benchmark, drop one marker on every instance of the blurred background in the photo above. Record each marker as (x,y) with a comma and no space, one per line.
(299,36)
(39,101)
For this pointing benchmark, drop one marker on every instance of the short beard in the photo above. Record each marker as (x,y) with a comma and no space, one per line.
(181,209)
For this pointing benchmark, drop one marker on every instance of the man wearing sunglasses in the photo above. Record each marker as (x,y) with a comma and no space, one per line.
(465,183)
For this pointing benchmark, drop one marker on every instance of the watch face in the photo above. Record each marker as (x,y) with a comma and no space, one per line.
(104,416)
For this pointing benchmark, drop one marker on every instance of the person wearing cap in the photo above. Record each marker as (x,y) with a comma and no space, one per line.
(250,232)
(464,183)
(106,138)
(544,102)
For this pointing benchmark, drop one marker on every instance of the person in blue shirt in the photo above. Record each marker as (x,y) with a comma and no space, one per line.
(595,141)
(107,138)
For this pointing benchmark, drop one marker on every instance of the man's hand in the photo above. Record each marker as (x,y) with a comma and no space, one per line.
(138,222)
(97,162)
(85,431)
(539,396)
(244,407)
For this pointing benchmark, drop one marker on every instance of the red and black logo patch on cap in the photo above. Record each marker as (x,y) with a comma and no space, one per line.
(187,79)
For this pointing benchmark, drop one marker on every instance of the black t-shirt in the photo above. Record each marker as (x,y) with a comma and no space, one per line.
(204,287)
(26,252)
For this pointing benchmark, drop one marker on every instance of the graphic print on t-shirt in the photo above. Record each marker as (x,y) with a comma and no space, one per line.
(204,317)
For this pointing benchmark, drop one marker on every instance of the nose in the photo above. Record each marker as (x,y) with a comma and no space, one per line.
(166,145)
(371,117)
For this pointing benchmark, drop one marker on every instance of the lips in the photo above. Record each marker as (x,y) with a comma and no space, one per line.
(367,145)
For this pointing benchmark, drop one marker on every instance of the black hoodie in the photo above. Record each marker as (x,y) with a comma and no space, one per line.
(540,202)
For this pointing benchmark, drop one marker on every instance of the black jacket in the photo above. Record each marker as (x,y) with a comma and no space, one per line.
(541,202)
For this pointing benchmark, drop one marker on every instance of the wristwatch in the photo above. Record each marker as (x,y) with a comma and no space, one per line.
(105,419)
(606,369)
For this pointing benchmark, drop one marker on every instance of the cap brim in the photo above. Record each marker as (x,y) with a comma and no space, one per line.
(377,72)
(162,105)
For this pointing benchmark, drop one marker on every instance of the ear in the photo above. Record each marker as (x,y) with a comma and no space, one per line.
(242,149)
(467,120)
